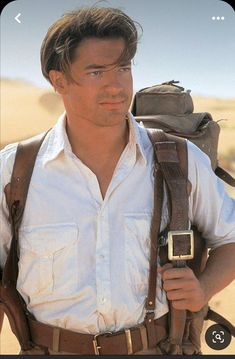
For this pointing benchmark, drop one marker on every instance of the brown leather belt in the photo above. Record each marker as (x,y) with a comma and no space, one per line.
(127,341)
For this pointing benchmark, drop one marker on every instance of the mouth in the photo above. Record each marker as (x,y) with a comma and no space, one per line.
(112,103)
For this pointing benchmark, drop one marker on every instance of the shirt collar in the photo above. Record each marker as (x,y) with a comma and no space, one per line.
(138,137)
(58,140)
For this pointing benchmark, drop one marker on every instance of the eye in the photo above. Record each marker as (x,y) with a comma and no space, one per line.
(95,73)
(125,69)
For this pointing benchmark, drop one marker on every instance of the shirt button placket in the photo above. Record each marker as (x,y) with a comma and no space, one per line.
(102,262)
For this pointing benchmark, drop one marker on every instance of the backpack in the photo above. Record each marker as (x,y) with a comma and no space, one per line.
(184,326)
(169,107)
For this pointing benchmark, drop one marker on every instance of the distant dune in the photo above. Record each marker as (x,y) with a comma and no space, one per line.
(27,110)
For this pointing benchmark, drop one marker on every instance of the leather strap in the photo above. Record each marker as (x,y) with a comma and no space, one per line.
(217,318)
(25,158)
(118,343)
(225,176)
(16,193)
(171,155)
(154,232)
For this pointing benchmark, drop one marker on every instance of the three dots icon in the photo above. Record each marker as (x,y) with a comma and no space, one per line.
(217,18)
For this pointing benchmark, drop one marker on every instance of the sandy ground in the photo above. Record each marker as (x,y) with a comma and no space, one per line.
(27,110)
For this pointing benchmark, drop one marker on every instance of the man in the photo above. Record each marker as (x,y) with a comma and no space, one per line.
(84,238)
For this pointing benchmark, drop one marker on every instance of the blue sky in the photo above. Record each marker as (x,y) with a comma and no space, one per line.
(180,41)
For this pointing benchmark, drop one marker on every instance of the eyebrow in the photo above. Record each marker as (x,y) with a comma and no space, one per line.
(96,66)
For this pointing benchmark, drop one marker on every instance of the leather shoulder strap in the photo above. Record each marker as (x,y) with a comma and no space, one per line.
(171,156)
(16,194)
(154,233)
(16,191)
(157,135)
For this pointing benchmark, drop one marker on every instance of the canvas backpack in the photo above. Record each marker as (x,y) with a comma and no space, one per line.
(169,107)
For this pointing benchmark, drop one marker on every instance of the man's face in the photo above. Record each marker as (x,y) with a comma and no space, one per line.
(102,93)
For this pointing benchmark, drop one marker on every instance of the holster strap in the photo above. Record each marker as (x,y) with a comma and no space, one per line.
(105,343)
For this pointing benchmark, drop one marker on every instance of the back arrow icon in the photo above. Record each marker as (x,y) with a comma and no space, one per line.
(17,18)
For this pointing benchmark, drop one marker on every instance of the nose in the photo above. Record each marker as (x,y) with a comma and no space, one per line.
(114,81)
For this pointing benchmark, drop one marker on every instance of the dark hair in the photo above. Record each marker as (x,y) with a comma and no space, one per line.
(63,36)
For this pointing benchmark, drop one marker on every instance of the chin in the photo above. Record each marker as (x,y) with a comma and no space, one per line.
(112,119)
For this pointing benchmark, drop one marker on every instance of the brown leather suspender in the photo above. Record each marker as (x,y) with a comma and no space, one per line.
(154,232)
(16,194)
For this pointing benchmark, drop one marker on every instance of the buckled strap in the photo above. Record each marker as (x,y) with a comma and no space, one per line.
(128,341)
(171,154)
(154,232)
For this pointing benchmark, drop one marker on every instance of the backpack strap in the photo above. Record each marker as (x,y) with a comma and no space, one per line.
(225,176)
(16,194)
(164,153)
(217,318)
(154,233)
(172,160)
(16,191)
(171,155)
(25,158)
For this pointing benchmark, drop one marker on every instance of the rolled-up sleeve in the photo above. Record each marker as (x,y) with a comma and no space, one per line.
(210,207)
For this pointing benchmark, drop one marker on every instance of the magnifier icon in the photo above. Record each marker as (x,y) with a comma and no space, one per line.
(217,336)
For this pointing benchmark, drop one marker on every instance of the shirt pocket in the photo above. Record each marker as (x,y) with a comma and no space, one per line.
(137,251)
(48,260)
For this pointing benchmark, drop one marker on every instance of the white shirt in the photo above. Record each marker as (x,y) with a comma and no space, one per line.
(84,261)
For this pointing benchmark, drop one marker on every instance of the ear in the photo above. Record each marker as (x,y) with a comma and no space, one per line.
(58,81)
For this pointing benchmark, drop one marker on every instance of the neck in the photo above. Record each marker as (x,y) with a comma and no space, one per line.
(88,139)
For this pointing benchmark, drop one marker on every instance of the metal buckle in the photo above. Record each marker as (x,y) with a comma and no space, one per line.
(171,235)
(96,345)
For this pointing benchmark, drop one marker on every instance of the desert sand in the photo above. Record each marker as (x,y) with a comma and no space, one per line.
(27,110)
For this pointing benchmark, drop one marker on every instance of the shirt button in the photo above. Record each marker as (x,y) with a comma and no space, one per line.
(103,300)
